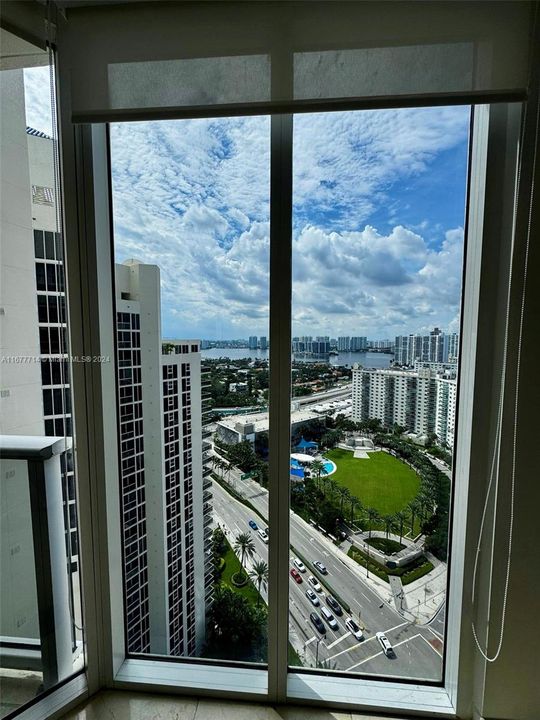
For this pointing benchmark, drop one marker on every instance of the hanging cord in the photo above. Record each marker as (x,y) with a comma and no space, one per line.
(495,462)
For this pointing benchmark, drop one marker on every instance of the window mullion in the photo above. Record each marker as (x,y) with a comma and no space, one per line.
(280,401)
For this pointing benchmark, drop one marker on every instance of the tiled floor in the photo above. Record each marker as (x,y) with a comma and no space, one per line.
(116,705)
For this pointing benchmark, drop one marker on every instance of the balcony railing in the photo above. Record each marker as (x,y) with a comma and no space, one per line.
(37,625)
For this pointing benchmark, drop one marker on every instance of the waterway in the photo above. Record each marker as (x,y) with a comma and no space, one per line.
(367,359)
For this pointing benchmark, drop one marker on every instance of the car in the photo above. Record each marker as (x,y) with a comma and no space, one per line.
(316,620)
(333,603)
(312,580)
(253,524)
(354,629)
(312,597)
(320,567)
(384,642)
(263,535)
(299,564)
(296,575)
(330,619)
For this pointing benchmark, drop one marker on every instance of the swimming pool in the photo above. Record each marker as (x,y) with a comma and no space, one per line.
(329,466)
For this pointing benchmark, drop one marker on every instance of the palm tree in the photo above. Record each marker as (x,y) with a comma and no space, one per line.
(372,516)
(389,524)
(324,477)
(345,494)
(414,508)
(259,575)
(355,503)
(332,486)
(317,466)
(245,546)
(400,518)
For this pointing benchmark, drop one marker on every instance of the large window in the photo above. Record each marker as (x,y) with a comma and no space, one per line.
(377,254)
(191,222)
(378,231)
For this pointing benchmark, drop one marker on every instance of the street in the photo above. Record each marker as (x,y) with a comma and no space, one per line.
(418,649)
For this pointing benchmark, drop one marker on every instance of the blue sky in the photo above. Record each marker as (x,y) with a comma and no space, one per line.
(377,230)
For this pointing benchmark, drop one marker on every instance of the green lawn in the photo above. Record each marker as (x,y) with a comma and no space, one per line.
(382,482)
(232,565)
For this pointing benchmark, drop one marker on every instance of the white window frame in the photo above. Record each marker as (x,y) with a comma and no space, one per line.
(90,262)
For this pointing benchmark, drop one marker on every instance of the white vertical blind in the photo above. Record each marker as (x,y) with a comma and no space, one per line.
(254,56)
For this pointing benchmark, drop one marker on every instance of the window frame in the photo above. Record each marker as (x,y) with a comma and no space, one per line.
(88,216)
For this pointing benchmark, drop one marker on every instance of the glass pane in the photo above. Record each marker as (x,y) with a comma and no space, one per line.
(191,223)
(379,207)
(41,635)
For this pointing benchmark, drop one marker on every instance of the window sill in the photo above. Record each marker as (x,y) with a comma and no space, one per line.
(369,695)
(218,680)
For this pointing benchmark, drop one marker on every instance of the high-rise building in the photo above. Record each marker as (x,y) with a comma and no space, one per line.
(421,401)
(358,344)
(263,343)
(253,344)
(164,506)
(344,344)
(436,347)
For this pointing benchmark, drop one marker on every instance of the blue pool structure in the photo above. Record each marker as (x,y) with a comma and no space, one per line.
(329,466)
(297,468)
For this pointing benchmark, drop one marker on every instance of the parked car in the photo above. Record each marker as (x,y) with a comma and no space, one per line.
(263,535)
(296,575)
(320,567)
(312,580)
(299,564)
(384,642)
(330,619)
(253,524)
(354,628)
(316,620)
(333,603)
(312,597)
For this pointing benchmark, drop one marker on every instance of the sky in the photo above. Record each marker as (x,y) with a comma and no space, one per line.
(379,199)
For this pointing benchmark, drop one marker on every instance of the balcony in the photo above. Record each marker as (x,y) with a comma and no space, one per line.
(40,643)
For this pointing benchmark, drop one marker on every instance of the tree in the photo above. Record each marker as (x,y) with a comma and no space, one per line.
(389,524)
(244,545)
(355,502)
(332,438)
(219,543)
(259,575)
(400,518)
(332,486)
(372,516)
(414,508)
(317,466)
(344,494)
(236,625)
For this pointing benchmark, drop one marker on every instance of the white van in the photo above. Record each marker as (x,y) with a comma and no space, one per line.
(263,535)
(330,619)
(385,644)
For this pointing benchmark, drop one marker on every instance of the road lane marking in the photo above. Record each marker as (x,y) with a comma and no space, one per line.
(431,646)
(308,642)
(353,647)
(364,661)
(437,634)
(396,627)
(336,642)
(371,657)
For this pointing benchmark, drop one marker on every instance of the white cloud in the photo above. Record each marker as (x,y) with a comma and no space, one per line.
(193,197)
(37,96)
